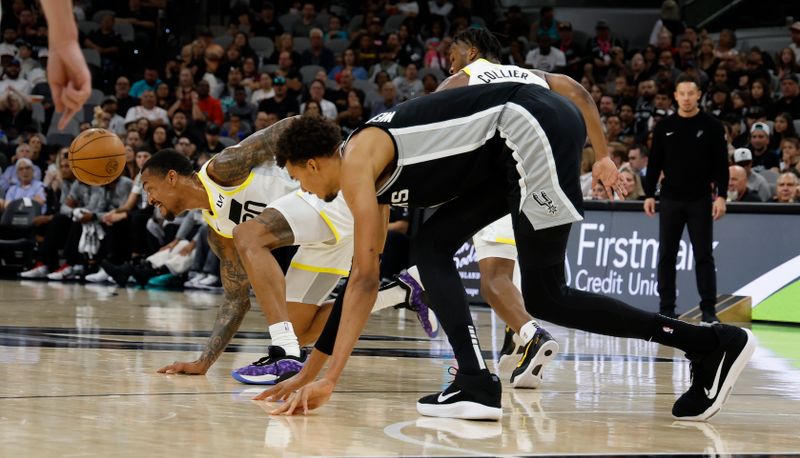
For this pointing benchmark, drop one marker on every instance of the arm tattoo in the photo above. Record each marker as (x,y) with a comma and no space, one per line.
(235,162)
(237,298)
(278,227)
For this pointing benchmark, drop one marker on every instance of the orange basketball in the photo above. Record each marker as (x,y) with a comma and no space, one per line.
(97,157)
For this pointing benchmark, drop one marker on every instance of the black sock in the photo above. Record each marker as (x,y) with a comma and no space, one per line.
(690,338)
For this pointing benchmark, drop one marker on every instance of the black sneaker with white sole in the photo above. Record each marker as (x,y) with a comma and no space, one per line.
(714,374)
(510,353)
(709,318)
(539,351)
(469,397)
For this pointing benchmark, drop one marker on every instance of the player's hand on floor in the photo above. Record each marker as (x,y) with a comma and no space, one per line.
(605,171)
(307,398)
(189,368)
(282,390)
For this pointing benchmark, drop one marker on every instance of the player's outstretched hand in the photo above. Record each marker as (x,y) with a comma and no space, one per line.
(605,171)
(189,368)
(70,80)
(283,390)
(307,398)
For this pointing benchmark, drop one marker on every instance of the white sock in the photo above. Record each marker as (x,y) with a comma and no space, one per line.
(283,336)
(389,298)
(528,330)
(396,294)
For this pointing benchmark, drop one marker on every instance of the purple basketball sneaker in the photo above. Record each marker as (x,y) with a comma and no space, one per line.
(417,301)
(271,369)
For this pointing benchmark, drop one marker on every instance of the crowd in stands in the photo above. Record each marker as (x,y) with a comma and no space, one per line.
(346,61)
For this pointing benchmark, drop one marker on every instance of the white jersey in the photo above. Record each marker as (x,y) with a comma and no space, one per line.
(231,205)
(484,72)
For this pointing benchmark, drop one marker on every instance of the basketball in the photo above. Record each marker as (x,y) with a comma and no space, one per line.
(96,157)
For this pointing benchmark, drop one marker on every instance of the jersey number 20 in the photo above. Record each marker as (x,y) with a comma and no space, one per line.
(240,213)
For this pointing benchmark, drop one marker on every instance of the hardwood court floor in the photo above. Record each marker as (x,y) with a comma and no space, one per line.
(77,378)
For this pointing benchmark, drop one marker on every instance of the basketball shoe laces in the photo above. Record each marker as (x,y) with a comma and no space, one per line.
(272,358)
(267,360)
(693,378)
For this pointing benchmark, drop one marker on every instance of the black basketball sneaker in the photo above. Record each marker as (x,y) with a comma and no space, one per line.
(510,353)
(714,373)
(539,351)
(469,397)
(709,318)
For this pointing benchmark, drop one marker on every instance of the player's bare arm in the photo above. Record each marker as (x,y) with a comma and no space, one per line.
(233,164)
(317,359)
(236,304)
(577,94)
(366,157)
(603,169)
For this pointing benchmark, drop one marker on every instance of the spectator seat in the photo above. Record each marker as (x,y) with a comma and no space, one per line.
(88,27)
(355,23)
(287,20)
(38,113)
(223,40)
(125,31)
(96,98)
(393,22)
(60,139)
(301,44)
(99,14)
(269,68)
(72,127)
(17,235)
(337,45)
(263,46)
(307,72)
(92,57)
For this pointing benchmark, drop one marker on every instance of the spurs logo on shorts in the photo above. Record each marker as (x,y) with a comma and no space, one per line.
(400,198)
(545,201)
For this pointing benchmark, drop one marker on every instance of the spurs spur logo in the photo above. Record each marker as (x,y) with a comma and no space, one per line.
(544,200)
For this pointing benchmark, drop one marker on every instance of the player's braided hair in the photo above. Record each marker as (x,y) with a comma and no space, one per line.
(307,137)
(482,39)
(168,159)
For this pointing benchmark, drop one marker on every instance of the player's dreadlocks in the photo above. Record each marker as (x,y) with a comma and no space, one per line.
(482,39)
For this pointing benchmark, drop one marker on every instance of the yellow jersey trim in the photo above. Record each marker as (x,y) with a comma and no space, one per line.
(208,195)
(330,225)
(235,190)
(324,270)
(213,226)
(325,218)
(469,72)
(505,241)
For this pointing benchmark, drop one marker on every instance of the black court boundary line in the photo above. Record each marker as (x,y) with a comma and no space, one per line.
(90,343)
(31,330)
(53,337)
(266,387)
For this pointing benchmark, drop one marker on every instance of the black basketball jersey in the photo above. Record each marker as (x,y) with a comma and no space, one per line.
(459,139)
(441,143)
